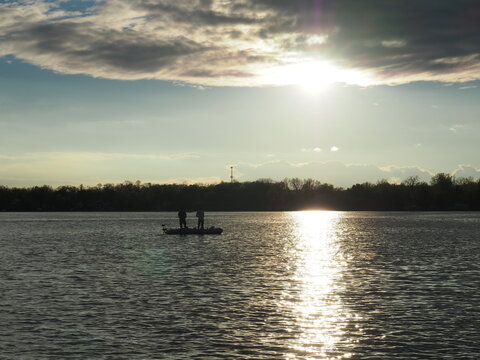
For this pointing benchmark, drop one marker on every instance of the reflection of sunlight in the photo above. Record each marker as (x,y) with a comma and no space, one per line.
(319,310)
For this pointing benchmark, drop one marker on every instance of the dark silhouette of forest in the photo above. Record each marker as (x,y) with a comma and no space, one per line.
(444,192)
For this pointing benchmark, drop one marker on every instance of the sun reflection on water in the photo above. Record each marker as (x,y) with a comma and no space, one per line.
(318,308)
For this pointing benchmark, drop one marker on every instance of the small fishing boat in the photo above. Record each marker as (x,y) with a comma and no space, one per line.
(192,231)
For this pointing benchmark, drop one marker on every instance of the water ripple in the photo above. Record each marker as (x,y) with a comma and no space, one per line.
(309,285)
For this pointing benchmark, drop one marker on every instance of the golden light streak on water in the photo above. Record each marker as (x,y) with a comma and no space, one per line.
(320,312)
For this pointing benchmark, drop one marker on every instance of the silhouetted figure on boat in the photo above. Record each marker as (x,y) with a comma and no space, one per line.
(182,217)
(201,218)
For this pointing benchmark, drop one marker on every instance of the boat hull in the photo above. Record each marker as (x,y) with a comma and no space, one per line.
(193,231)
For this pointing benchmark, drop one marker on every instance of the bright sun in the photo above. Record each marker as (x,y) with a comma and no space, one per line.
(311,76)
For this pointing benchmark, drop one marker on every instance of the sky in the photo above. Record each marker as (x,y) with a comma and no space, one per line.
(166,91)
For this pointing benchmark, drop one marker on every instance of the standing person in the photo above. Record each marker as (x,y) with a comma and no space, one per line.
(182,217)
(201,217)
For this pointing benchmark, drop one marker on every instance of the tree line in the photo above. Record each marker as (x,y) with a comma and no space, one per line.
(444,192)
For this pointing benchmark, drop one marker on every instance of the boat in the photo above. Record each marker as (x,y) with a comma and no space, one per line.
(193,231)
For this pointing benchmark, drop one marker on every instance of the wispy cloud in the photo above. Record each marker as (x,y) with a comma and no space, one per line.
(456,127)
(95,156)
(333,172)
(60,168)
(315,150)
(191,181)
(93,168)
(466,171)
(468,87)
(248,42)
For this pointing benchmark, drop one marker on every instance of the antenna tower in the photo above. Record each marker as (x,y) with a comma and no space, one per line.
(231,174)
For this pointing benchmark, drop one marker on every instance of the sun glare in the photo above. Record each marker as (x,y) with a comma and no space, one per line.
(312,76)
(320,312)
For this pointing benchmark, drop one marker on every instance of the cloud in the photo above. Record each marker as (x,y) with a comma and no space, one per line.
(248,42)
(332,172)
(334,149)
(73,168)
(96,156)
(315,149)
(456,127)
(466,171)
(467,87)
(193,181)
(61,168)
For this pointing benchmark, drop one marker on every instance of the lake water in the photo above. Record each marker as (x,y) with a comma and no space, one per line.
(300,285)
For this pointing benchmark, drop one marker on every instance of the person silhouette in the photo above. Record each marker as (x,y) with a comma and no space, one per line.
(201,217)
(182,217)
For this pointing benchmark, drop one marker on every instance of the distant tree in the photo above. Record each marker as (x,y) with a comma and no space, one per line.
(443,193)
(442,181)
(463,181)
(295,184)
(411,181)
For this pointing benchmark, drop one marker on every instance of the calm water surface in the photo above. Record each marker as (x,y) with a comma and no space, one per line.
(304,285)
